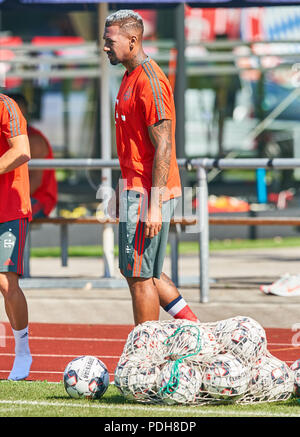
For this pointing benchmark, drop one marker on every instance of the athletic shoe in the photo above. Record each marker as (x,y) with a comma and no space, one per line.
(278,283)
(287,285)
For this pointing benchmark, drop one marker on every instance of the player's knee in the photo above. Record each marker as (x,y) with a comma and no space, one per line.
(137,284)
(9,285)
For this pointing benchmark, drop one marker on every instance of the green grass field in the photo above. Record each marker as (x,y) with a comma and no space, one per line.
(185,247)
(43,399)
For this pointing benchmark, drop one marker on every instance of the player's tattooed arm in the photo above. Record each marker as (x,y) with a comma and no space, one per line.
(161,137)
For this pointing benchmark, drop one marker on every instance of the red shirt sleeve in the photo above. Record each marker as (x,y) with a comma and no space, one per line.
(156,100)
(13,122)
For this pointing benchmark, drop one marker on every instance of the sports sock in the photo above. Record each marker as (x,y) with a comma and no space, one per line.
(179,309)
(23,359)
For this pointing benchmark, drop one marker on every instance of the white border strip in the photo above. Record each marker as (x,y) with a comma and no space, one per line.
(123,340)
(38,372)
(147,408)
(6,354)
(69,338)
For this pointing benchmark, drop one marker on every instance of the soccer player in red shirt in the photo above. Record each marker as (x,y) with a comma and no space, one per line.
(145,134)
(43,184)
(15,214)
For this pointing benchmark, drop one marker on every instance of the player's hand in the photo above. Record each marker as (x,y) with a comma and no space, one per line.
(153,223)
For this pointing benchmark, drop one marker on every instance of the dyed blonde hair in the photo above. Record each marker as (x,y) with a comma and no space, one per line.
(125,19)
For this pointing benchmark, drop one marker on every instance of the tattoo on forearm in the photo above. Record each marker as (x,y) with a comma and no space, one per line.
(161,138)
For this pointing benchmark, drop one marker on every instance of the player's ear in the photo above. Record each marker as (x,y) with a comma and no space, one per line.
(132,42)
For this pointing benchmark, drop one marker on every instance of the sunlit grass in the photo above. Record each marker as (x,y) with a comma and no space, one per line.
(184,248)
(44,399)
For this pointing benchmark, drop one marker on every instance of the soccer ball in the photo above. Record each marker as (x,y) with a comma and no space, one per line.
(243,337)
(223,330)
(184,341)
(209,346)
(178,384)
(119,374)
(136,379)
(86,376)
(272,379)
(146,339)
(226,377)
(295,367)
(193,342)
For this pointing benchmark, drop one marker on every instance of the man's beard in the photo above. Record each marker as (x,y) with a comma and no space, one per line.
(113,59)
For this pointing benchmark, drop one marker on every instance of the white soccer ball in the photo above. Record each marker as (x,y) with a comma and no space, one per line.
(271,379)
(136,379)
(223,329)
(86,376)
(226,377)
(295,367)
(178,383)
(209,346)
(146,339)
(184,341)
(192,342)
(120,373)
(243,337)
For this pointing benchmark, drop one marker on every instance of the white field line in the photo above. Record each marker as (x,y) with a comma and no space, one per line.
(39,371)
(283,344)
(31,381)
(104,339)
(280,344)
(35,371)
(68,338)
(59,355)
(74,356)
(220,412)
(3,381)
(43,372)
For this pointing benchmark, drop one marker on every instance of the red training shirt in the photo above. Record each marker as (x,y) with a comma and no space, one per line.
(145,97)
(14,185)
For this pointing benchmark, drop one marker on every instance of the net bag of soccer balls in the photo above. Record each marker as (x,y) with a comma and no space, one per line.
(183,362)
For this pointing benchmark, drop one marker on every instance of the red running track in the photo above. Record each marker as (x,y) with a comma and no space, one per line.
(53,346)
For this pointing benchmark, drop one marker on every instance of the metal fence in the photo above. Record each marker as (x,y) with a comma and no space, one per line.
(201,166)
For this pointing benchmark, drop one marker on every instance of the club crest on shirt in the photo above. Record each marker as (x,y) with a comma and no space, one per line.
(127,94)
